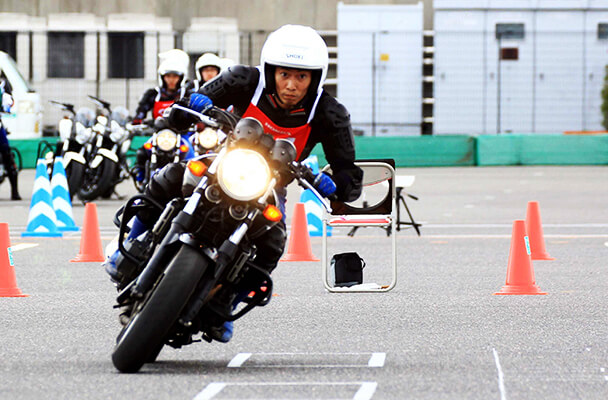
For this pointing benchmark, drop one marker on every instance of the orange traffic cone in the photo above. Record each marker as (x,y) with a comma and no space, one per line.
(520,273)
(299,239)
(8,283)
(90,241)
(535,232)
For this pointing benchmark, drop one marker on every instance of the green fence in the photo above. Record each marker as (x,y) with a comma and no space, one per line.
(447,150)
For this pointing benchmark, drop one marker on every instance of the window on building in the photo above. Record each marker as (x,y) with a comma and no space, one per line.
(602,30)
(65,55)
(125,55)
(510,31)
(8,43)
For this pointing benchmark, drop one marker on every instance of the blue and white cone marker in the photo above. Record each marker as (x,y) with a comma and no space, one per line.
(41,219)
(314,213)
(62,204)
(314,207)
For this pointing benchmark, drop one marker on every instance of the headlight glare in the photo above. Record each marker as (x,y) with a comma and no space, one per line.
(243,174)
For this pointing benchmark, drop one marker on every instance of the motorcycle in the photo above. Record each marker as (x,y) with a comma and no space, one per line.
(74,134)
(206,139)
(164,147)
(176,276)
(108,153)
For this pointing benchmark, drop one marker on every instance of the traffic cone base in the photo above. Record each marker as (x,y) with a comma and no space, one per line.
(90,241)
(299,239)
(8,282)
(535,232)
(520,273)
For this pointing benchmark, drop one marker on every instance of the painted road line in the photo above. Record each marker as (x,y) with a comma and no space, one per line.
(365,392)
(210,391)
(501,378)
(23,246)
(377,360)
(238,360)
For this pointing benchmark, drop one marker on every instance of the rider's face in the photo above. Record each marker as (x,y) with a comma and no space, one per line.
(209,73)
(292,85)
(171,80)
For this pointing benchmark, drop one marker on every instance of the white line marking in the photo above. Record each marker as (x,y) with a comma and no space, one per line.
(238,360)
(210,391)
(23,246)
(501,382)
(366,391)
(377,360)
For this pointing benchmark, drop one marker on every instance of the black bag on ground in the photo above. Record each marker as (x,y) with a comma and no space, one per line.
(347,269)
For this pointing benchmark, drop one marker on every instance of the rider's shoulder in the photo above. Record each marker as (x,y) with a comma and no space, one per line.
(241,73)
(332,112)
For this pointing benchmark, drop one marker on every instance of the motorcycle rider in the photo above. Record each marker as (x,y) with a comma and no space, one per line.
(171,87)
(285,93)
(207,67)
(7,156)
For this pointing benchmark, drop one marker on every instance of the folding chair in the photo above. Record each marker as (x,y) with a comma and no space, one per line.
(381,214)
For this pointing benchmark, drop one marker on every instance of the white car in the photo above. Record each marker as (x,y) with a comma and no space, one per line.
(26,113)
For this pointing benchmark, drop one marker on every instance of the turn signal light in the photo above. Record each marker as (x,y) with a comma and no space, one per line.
(148,146)
(197,168)
(184,148)
(272,213)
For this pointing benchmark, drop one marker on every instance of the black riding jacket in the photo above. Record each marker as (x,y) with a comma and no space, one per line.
(330,125)
(152,95)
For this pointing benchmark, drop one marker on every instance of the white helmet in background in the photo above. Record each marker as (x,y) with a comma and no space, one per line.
(227,63)
(295,46)
(207,60)
(173,61)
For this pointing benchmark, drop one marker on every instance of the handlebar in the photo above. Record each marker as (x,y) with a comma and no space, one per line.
(66,106)
(202,117)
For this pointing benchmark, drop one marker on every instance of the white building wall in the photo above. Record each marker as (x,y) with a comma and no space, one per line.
(554,86)
(380,67)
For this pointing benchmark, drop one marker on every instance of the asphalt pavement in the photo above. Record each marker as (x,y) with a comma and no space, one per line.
(440,334)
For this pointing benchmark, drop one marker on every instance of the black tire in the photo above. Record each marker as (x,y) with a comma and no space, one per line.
(75,173)
(98,181)
(146,331)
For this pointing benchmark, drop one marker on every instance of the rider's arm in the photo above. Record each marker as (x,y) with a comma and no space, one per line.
(146,103)
(331,126)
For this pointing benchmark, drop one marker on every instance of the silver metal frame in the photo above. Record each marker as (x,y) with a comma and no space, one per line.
(392,218)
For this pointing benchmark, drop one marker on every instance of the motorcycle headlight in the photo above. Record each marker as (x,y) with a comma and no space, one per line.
(243,174)
(166,140)
(208,138)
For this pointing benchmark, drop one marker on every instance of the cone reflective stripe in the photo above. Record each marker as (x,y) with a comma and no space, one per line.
(534,228)
(62,204)
(520,273)
(299,240)
(8,282)
(90,241)
(41,219)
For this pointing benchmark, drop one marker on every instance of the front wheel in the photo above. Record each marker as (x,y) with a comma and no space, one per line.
(75,173)
(98,181)
(146,331)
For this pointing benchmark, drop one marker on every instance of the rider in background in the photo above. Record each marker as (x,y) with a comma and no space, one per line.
(6,101)
(171,87)
(207,67)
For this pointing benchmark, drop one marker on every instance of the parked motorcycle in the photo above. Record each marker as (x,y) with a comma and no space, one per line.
(108,161)
(75,131)
(177,275)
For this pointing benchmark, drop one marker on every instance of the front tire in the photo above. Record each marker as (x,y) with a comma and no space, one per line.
(74,172)
(98,181)
(146,331)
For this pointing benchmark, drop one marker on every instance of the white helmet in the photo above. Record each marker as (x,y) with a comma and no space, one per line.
(227,63)
(295,46)
(207,60)
(173,61)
